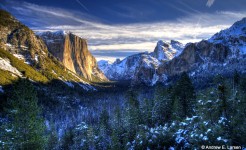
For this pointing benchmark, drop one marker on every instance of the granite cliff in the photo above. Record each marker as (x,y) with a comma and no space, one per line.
(73,52)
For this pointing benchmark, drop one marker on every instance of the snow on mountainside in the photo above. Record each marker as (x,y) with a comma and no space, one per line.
(234,37)
(54,33)
(104,65)
(131,66)
(165,51)
(221,54)
(122,70)
(6,65)
(52,37)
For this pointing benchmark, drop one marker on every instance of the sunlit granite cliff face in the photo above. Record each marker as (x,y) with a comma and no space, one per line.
(73,52)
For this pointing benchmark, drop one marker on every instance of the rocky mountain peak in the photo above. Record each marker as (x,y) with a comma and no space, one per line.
(240,25)
(52,34)
(165,51)
(233,37)
(236,30)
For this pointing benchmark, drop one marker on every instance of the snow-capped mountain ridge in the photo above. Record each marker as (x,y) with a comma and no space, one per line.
(131,66)
(165,51)
(58,32)
(221,54)
(233,37)
(236,30)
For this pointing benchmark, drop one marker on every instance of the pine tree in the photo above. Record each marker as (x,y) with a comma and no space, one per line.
(185,94)
(24,114)
(222,98)
(236,81)
(90,139)
(236,78)
(146,111)
(53,141)
(116,144)
(239,119)
(68,139)
(104,130)
(104,121)
(117,130)
(158,106)
(177,112)
(162,107)
(132,117)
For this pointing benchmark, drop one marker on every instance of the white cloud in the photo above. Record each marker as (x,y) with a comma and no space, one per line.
(143,46)
(110,58)
(210,3)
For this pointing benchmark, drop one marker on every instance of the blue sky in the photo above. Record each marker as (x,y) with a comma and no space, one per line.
(119,28)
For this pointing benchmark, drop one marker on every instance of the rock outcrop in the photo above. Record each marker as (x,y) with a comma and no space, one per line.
(193,56)
(165,51)
(18,39)
(73,52)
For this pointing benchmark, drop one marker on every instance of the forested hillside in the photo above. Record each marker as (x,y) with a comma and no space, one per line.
(163,117)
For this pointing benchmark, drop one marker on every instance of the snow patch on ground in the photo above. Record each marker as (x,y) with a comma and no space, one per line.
(1,89)
(243,49)
(6,65)
(54,72)
(154,79)
(87,87)
(82,126)
(205,138)
(8,44)
(8,130)
(69,84)
(192,118)
(27,62)
(19,56)
(36,58)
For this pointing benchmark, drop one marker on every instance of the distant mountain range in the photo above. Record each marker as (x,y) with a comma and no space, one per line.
(223,53)
(139,64)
